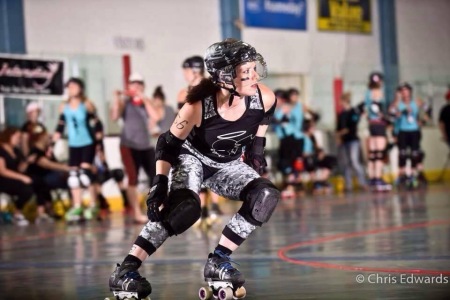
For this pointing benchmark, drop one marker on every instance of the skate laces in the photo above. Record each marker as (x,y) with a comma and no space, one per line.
(226,264)
(134,275)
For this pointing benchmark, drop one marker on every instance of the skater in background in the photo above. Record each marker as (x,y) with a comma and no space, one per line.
(193,73)
(444,120)
(373,106)
(13,181)
(349,146)
(222,115)
(137,112)
(288,120)
(78,115)
(32,125)
(409,136)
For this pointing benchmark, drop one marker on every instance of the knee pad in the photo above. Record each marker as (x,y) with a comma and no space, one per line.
(415,156)
(373,155)
(118,175)
(260,198)
(402,158)
(73,181)
(86,177)
(421,157)
(310,163)
(381,155)
(183,211)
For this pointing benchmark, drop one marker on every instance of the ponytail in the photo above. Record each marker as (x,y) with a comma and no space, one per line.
(199,92)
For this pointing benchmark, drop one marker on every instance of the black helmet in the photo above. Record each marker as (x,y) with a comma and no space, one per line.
(222,58)
(194,62)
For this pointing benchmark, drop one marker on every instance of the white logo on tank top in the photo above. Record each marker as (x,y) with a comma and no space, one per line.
(228,144)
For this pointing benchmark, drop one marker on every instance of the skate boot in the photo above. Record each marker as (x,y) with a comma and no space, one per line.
(423,181)
(89,213)
(402,182)
(126,283)
(225,282)
(383,186)
(74,214)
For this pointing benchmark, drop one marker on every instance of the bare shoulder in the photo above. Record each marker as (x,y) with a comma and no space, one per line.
(89,105)
(268,96)
(181,97)
(61,107)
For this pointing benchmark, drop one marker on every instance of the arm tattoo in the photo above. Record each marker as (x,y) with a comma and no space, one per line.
(180,124)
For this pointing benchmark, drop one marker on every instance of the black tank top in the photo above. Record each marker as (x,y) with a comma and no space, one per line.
(223,140)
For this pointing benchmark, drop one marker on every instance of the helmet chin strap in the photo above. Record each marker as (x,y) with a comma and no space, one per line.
(233,93)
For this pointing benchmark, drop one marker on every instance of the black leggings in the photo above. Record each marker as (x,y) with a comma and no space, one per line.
(409,140)
(22,191)
(44,184)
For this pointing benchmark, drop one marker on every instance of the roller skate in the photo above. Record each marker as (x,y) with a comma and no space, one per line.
(127,284)
(423,181)
(381,186)
(402,182)
(89,213)
(74,214)
(225,282)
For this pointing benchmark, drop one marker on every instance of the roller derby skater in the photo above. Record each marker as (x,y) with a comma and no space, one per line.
(137,112)
(408,137)
(223,117)
(77,114)
(377,141)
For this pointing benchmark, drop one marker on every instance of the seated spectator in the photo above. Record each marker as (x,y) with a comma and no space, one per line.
(12,180)
(32,124)
(47,174)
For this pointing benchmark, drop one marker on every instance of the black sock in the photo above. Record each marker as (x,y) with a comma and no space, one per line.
(132,259)
(125,198)
(223,249)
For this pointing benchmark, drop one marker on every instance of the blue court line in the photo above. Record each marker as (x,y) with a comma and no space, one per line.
(246,259)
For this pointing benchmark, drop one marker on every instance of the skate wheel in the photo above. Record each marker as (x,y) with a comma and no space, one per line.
(225,293)
(240,293)
(205,293)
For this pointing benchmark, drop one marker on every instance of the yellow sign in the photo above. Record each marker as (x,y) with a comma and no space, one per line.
(345,15)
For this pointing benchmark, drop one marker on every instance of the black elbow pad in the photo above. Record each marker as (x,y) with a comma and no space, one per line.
(269,114)
(168,147)
(61,124)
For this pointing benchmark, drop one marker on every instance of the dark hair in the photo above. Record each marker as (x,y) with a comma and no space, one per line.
(7,133)
(80,83)
(204,89)
(293,91)
(282,94)
(158,93)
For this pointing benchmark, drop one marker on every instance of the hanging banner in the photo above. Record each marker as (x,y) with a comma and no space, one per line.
(278,14)
(34,77)
(345,16)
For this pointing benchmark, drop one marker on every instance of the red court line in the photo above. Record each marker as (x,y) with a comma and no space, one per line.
(317,264)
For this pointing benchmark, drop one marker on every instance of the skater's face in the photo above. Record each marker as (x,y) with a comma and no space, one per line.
(246,79)
(189,75)
(136,87)
(406,94)
(74,90)
(33,115)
